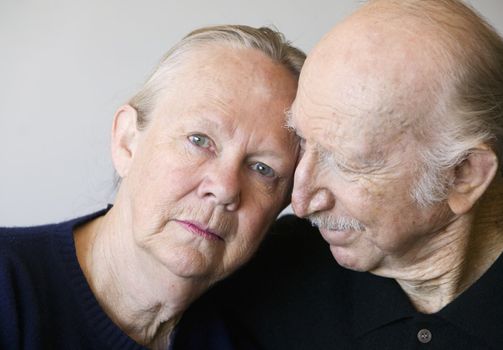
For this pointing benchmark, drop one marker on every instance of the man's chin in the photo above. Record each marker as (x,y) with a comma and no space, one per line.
(350,259)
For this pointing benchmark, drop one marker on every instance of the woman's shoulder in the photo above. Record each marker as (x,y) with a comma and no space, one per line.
(40,287)
(32,242)
(24,251)
(27,252)
(32,258)
(24,243)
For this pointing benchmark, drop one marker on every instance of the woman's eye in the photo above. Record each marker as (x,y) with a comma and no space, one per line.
(200,140)
(263,169)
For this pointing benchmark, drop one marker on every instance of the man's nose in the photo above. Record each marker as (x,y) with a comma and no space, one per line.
(309,196)
(221,184)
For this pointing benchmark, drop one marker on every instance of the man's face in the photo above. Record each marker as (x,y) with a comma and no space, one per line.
(359,162)
(215,164)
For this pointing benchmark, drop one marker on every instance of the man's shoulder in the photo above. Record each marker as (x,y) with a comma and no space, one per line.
(291,290)
(291,224)
(292,251)
(292,248)
(291,234)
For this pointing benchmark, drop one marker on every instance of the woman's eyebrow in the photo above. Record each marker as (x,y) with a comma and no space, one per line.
(208,123)
(205,122)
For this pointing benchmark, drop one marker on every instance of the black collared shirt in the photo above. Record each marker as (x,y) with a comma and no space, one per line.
(293,295)
(384,318)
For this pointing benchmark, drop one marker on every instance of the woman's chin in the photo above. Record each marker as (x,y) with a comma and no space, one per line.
(190,263)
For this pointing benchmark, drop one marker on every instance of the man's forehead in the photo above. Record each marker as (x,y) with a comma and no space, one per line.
(353,103)
(351,133)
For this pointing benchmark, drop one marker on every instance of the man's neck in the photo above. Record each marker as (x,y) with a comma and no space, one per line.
(137,293)
(457,256)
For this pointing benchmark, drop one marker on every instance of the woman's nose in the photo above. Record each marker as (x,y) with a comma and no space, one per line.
(222,185)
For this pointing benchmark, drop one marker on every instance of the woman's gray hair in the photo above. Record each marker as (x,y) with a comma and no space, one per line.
(269,41)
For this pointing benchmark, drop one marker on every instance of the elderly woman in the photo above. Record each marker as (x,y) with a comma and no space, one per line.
(205,165)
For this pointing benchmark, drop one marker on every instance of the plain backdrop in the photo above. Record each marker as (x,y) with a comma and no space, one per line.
(65,66)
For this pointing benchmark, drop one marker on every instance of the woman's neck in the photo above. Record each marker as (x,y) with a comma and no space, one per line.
(140,295)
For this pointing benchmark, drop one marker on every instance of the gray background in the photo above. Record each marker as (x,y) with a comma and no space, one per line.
(65,66)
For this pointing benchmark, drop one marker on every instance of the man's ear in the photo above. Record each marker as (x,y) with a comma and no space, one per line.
(124,139)
(472,178)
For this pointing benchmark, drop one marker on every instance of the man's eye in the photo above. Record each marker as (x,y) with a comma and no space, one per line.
(200,140)
(302,144)
(263,169)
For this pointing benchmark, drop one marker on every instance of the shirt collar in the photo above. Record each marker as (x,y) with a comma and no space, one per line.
(479,309)
(377,301)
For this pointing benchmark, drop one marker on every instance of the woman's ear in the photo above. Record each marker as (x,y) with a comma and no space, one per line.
(472,178)
(124,139)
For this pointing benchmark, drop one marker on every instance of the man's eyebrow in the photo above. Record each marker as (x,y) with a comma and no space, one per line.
(289,119)
(289,124)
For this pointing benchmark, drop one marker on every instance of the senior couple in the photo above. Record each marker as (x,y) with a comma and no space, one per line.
(392,143)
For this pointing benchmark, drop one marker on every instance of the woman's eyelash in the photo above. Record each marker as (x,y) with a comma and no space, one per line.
(203,141)
(200,140)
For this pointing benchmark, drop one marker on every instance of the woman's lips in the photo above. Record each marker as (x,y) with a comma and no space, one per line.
(198,230)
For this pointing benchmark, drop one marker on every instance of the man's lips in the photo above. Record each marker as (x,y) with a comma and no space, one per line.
(338,237)
(198,229)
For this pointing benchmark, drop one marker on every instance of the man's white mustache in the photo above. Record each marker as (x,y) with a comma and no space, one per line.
(336,223)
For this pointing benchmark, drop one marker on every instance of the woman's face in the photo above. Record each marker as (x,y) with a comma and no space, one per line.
(215,164)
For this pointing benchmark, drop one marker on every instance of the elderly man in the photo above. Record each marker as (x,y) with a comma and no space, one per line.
(400,109)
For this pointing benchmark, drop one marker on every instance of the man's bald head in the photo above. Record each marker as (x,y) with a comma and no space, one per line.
(430,69)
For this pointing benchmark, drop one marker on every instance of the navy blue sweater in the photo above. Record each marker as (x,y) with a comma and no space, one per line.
(45,301)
